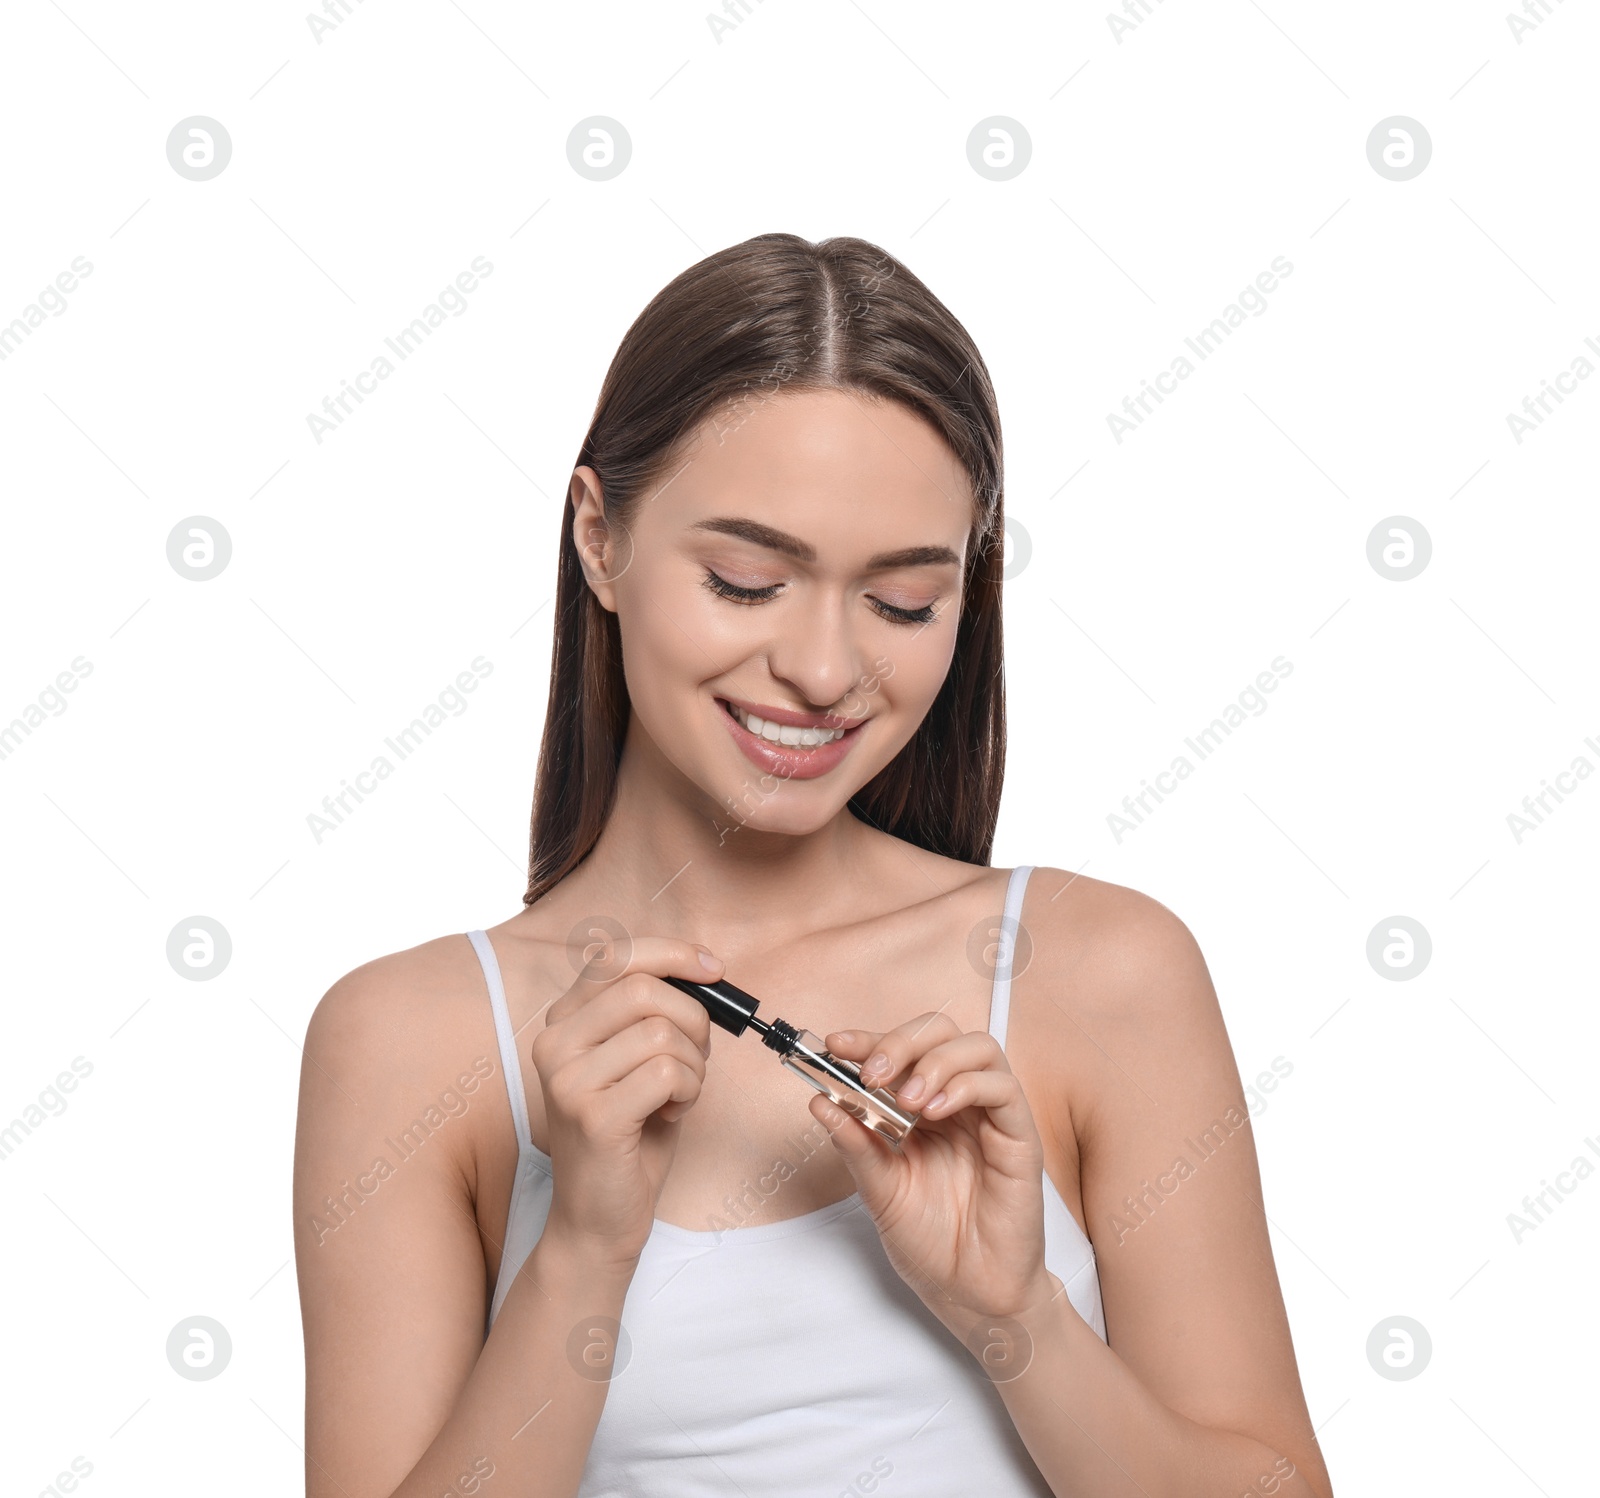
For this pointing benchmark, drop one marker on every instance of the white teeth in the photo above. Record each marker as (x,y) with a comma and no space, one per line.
(786,733)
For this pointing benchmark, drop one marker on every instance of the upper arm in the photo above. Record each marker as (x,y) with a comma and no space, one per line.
(390,1264)
(1172,1187)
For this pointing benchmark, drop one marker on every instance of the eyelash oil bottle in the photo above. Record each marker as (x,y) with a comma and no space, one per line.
(806,1056)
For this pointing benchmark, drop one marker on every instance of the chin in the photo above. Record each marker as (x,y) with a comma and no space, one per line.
(768,804)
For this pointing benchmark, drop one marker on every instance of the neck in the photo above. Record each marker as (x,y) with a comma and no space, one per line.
(671,861)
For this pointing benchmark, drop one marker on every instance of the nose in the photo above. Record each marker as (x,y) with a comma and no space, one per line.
(815,652)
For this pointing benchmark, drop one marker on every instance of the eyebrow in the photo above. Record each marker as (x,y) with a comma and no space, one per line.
(803,551)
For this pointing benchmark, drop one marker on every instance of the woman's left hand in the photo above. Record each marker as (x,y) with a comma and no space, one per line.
(960,1206)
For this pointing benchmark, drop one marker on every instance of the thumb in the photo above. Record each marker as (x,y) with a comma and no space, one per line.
(865,1155)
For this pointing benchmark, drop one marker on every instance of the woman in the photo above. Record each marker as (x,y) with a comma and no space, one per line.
(645,1258)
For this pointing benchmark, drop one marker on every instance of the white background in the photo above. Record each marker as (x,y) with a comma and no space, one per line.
(1167,170)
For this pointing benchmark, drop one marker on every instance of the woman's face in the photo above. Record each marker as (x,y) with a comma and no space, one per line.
(799,564)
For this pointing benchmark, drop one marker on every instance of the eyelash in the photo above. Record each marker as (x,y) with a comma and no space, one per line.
(723,588)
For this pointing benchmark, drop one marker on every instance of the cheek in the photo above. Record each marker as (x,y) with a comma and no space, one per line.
(916,681)
(674,633)
(905,680)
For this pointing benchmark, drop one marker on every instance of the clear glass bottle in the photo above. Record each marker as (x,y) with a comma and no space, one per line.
(804,1053)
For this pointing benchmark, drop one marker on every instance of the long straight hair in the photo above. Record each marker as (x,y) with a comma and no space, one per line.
(771,315)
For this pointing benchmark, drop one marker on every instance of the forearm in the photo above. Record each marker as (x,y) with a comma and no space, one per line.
(1093,1427)
(533,1399)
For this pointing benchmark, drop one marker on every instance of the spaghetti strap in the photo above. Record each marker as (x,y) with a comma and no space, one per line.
(1000,1002)
(508,1041)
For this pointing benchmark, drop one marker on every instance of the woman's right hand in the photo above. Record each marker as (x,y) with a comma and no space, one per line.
(621,1059)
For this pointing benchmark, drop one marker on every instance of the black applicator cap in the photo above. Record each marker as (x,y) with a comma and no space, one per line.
(729,1006)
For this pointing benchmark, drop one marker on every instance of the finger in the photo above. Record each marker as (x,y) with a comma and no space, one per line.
(652,1085)
(612,963)
(866,1154)
(999,1092)
(901,1046)
(612,1060)
(975,1051)
(660,956)
(557,1050)
(630,998)
(852,1045)
(611,959)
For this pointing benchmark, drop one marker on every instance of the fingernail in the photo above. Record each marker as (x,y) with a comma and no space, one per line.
(934,1101)
(847,1037)
(707,961)
(877,1063)
(913,1090)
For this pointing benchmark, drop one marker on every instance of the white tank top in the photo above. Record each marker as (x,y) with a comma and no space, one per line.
(789,1358)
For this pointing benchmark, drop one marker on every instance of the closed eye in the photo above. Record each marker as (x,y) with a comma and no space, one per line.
(732,591)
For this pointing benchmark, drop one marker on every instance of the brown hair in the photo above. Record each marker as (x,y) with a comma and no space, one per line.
(776,312)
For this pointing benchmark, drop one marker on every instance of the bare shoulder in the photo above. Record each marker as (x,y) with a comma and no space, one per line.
(1118,936)
(1114,953)
(1119,996)
(399,988)
(405,1035)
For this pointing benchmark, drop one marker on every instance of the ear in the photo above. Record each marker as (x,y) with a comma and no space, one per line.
(593,536)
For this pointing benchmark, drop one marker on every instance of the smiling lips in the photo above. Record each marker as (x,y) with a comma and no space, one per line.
(792,745)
